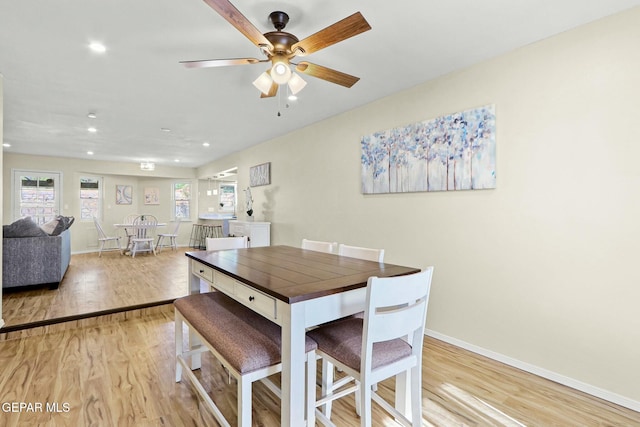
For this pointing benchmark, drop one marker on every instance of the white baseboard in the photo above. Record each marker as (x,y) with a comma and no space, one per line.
(541,372)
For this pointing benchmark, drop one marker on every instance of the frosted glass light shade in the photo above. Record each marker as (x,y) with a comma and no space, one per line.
(263,82)
(280,72)
(296,83)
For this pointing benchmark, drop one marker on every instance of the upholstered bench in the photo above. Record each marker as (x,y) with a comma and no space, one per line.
(247,344)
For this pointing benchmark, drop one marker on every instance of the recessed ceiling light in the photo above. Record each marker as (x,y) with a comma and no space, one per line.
(90,153)
(177,160)
(6,145)
(92,130)
(205,144)
(97,47)
(92,115)
(165,129)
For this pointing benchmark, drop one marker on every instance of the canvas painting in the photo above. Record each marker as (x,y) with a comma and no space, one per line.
(260,175)
(124,194)
(453,152)
(151,196)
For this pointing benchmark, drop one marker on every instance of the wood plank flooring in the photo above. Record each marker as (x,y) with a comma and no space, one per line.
(97,284)
(118,369)
(121,373)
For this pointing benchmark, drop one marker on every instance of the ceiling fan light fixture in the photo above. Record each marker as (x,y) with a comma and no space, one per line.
(296,84)
(280,72)
(263,82)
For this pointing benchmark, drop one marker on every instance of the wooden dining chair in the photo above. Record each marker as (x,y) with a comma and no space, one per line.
(172,237)
(129,231)
(361,253)
(319,246)
(145,229)
(386,343)
(103,239)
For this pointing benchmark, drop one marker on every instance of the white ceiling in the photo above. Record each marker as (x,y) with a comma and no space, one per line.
(52,80)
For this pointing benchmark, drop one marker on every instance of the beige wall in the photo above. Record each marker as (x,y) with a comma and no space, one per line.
(84,235)
(540,271)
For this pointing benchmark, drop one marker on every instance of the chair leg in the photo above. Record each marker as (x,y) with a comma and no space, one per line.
(327,385)
(178,325)
(365,403)
(244,402)
(416,396)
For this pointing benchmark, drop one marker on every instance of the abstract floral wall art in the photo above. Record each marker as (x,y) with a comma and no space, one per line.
(452,152)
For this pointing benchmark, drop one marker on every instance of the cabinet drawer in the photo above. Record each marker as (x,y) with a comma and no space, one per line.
(224,283)
(202,270)
(256,300)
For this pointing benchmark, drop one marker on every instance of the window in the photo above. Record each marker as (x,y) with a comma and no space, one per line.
(90,198)
(182,200)
(36,194)
(228,197)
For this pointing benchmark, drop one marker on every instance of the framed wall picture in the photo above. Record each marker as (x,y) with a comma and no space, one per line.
(260,175)
(124,194)
(151,196)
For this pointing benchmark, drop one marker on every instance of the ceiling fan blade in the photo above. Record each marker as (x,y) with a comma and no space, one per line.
(273,90)
(327,74)
(207,63)
(341,30)
(240,22)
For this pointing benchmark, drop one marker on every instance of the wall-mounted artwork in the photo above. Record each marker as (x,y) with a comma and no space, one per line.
(151,196)
(453,152)
(124,194)
(260,175)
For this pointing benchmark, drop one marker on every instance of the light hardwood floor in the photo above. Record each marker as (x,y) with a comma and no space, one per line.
(97,284)
(121,373)
(118,369)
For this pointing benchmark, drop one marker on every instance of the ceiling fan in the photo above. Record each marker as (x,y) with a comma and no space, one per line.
(280,47)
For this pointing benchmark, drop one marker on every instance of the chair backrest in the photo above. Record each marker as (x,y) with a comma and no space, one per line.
(101,233)
(176,227)
(316,245)
(362,253)
(148,225)
(396,308)
(220,243)
(129,218)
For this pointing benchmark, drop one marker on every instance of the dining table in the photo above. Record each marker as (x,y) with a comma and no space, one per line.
(297,289)
(134,228)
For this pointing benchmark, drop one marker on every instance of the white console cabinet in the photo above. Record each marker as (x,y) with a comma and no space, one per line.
(259,233)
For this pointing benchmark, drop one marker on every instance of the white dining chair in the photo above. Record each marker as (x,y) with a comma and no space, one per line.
(362,253)
(386,343)
(104,239)
(129,232)
(222,243)
(319,246)
(172,237)
(145,229)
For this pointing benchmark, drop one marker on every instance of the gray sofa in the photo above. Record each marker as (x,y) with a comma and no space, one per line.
(35,260)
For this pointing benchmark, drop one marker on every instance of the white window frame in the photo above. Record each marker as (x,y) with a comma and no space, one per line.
(16,187)
(174,200)
(99,199)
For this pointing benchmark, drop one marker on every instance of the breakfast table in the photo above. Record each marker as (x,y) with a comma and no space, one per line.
(296,289)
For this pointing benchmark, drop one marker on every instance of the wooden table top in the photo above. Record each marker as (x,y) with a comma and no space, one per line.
(294,274)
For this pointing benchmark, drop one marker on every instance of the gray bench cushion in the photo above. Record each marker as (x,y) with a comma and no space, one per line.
(342,340)
(245,339)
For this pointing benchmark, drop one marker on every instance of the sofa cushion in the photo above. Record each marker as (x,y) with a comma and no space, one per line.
(57,225)
(53,227)
(24,227)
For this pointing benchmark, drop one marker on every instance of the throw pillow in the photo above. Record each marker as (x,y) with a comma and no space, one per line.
(23,227)
(67,220)
(54,227)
